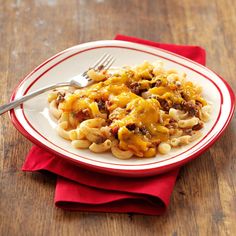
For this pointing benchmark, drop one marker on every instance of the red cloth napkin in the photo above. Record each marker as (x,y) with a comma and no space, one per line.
(83,190)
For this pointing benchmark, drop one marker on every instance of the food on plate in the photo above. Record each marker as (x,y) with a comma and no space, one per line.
(131,111)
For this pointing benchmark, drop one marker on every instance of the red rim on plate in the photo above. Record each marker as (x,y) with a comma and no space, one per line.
(115,169)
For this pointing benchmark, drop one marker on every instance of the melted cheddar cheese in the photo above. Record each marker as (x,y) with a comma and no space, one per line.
(135,104)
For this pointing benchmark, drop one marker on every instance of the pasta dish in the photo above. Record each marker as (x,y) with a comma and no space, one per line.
(133,111)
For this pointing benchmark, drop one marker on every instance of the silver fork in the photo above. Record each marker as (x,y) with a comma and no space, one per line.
(80,81)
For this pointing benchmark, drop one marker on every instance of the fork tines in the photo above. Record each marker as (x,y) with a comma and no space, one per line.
(104,62)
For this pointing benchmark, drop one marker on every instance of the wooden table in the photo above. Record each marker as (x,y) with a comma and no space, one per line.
(204,198)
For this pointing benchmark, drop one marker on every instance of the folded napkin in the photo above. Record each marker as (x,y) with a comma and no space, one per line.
(82,190)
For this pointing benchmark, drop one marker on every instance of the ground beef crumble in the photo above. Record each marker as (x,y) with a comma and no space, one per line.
(191,108)
(82,115)
(136,88)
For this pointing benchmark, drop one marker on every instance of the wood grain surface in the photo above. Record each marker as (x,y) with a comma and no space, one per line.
(204,198)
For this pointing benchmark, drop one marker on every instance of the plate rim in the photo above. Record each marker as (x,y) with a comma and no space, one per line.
(117,171)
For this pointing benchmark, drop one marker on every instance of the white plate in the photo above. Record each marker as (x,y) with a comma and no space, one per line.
(32,119)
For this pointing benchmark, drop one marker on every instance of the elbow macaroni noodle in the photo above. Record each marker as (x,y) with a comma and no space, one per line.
(137,111)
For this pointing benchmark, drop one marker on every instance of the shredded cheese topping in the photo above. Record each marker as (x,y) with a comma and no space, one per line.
(141,108)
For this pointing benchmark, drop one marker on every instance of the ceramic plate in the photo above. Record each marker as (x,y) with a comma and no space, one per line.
(33,120)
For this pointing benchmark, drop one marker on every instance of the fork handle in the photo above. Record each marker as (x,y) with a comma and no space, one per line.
(20,100)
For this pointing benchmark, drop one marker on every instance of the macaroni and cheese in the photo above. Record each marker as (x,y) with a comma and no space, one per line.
(135,111)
